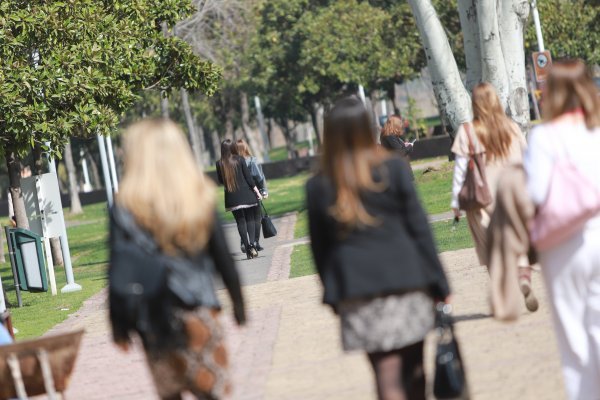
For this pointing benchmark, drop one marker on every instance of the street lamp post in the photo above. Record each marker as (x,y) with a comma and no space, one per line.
(538,25)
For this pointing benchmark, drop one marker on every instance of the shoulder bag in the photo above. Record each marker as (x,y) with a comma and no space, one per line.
(475,193)
(268,227)
(571,201)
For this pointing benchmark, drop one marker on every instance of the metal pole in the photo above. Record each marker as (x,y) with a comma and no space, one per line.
(13,265)
(384,110)
(105,171)
(113,167)
(2,301)
(538,25)
(361,94)
(263,129)
(87,187)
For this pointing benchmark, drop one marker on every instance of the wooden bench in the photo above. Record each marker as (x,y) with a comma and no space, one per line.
(40,366)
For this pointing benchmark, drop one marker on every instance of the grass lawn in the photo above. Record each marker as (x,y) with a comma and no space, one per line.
(447,239)
(41,311)
(435,188)
(280,153)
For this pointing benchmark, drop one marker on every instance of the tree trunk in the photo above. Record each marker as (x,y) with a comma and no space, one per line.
(38,159)
(95,173)
(72,175)
(13,164)
(253,136)
(56,250)
(467,10)
(314,117)
(451,95)
(513,16)
(290,139)
(229,128)
(493,69)
(164,104)
(189,120)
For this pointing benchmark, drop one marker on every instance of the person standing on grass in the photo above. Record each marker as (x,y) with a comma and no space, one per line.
(391,136)
(494,134)
(243,150)
(374,251)
(241,194)
(571,269)
(165,214)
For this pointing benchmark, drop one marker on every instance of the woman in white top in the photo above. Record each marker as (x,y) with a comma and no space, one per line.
(572,269)
(501,141)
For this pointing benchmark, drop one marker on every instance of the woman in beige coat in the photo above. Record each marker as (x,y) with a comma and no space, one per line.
(501,141)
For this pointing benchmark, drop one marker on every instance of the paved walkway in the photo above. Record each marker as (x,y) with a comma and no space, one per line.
(291,350)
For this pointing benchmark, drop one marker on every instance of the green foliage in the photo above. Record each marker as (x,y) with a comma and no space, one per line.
(73,68)
(571,28)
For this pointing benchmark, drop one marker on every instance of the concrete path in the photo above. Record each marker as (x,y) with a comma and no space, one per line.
(291,350)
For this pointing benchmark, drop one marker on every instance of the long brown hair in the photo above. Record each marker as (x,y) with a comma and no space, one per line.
(164,189)
(570,87)
(228,164)
(394,126)
(242,148)
(493,128)
(349,156)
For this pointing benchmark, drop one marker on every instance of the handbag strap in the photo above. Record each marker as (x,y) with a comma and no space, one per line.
(467,127)
(264,208)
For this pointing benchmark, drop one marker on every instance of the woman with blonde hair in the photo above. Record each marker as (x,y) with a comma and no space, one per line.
(374,251)
(166,242)
(571,268)
(243,150)
(495,135)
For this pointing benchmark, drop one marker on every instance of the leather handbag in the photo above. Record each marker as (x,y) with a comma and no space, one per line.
(572,200)
(449,381)
(268,227)
(475,193)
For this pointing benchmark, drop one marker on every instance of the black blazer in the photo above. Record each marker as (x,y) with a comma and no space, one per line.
(396,255)
(244,194)
(396,145)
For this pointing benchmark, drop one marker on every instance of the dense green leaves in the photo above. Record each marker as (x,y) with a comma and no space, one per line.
(71,67)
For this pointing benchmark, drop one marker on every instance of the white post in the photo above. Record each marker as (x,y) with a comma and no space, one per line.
(2,300)
(87,186)
(311,146)
(113,166)
(50,264)
(384,110)
(263,129)
(361,94)
(538,25)
(105,170)
(71,286)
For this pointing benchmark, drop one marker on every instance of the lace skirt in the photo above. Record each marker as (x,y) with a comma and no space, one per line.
(386,323)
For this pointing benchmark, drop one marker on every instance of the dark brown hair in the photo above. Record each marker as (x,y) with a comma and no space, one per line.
(349,156)
(571,88)
(228,164)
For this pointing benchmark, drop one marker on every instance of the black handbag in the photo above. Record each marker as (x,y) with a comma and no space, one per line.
(268,227)
(449,381)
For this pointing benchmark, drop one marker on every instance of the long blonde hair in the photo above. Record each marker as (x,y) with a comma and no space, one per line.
(349,156)
(571,88)
(164,189)
(494,129)
(242,149)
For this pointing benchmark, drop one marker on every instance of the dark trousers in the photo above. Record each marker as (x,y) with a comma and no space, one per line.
(245,219)
(399,374)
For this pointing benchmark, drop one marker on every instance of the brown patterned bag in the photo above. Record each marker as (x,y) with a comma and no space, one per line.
(475,193)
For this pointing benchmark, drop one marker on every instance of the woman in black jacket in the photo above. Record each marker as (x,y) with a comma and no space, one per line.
(164,250)
(374,251)
(241,194)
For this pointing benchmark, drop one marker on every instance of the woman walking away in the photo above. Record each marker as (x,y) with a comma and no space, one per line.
(241,194)
(496,136)
(243,150)
(166,243)
(391,136)
(374,251)
(571,268)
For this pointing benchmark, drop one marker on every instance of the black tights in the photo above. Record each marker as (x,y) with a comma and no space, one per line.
(399,374)
(245,220)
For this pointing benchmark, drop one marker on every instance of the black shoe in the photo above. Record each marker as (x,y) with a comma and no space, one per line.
(243,248)
(251,253)
(258,247)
